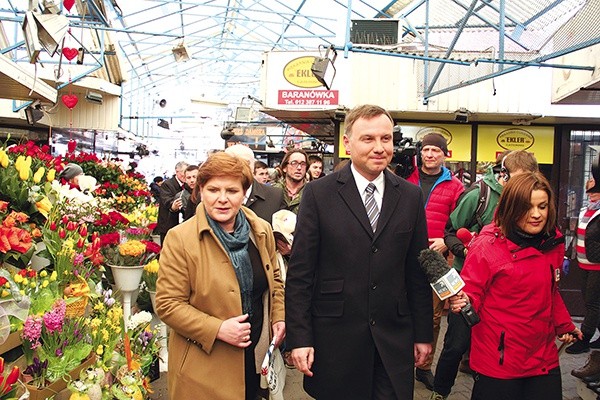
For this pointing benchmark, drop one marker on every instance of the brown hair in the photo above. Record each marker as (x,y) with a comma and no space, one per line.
(286,158)
(515,202)
(520,160)
(221,164)
(366,111)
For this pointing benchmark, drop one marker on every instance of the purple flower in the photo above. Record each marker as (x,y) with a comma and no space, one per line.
(78,259)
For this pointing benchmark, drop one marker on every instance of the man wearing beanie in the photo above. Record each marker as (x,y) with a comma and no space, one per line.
(441,189)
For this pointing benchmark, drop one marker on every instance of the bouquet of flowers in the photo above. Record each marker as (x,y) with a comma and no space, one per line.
(7,382)
(57,339)
(118,249)
(106,326)
(16,237)
(150,275)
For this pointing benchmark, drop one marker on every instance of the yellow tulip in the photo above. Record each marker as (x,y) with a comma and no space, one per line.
(37,177)
(3,159)
(44,206)
(28,162)
(4,293)
(51,174)
(19,163)
(24,172)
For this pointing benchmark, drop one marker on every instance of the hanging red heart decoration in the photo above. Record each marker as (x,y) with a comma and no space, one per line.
(69,100)
(68,4)
(71,146)
(69,53)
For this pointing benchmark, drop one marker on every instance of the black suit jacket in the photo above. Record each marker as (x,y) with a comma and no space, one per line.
(265,200)
(167,218)
(350,293)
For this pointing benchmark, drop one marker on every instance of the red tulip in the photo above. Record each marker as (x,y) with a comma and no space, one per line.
(83,230)
(53,226)
(80,243)
(71,226)
(62,233)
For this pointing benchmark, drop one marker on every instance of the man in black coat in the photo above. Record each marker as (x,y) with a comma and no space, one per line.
(170,204)
(358,305)
(263,199)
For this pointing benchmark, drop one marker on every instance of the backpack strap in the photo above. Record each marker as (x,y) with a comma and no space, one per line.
(482,203)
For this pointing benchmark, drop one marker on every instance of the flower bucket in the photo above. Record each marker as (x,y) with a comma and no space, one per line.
(152,294)
(127,278)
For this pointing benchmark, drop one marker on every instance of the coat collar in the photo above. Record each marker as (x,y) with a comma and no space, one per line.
(349,193)
(257,228)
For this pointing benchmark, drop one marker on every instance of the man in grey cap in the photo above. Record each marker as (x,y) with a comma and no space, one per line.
(71,174)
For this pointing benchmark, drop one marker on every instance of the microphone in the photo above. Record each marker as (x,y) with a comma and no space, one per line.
(465,236)
(445,281)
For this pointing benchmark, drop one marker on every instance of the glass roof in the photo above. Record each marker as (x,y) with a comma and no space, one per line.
(212,49)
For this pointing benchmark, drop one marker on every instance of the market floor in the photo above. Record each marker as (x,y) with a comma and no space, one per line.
(461,391)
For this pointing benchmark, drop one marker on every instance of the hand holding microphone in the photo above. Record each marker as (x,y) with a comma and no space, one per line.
(466,237)
(447,283)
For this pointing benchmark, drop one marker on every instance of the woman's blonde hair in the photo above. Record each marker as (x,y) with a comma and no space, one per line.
(221,164)
(515,202)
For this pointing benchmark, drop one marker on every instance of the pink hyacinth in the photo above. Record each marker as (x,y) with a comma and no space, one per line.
(53,319)
(32,330)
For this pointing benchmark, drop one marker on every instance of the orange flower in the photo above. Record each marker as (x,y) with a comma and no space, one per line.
(9,221)
(36,233)
(15,239)
(3,206)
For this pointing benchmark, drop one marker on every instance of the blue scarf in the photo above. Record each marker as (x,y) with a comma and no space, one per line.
(236,245)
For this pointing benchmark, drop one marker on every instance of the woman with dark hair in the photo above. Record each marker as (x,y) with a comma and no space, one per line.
(511,275)
(219,289)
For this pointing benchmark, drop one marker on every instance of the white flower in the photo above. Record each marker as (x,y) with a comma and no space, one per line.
(141,318)
(87,183)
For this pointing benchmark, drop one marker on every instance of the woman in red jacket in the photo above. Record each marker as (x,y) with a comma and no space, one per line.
(511,274)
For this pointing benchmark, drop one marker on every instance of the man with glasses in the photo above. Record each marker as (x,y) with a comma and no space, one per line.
(293,166)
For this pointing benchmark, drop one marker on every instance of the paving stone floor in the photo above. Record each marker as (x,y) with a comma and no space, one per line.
(461,391)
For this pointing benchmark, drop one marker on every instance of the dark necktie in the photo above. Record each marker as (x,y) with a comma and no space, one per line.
(371,206)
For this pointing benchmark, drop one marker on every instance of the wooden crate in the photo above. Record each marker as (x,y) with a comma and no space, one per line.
(13,340)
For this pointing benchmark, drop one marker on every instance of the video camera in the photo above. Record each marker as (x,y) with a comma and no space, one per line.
(405,151)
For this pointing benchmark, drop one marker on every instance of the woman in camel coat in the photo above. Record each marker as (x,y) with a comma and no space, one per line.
(219,289)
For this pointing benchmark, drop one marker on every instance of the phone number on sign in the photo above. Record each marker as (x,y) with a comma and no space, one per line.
(308,97)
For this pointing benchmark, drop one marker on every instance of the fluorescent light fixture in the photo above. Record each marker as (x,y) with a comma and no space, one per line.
(462,115)
(94,97)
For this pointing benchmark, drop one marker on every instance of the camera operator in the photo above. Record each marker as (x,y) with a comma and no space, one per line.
(441,189)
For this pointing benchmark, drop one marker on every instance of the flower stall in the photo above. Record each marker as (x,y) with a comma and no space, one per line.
(64,302)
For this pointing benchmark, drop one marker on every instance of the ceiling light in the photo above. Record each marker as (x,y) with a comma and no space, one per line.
(323,67)
(34,113)
(163,123)
(462,115)
(94,97)
(181,53)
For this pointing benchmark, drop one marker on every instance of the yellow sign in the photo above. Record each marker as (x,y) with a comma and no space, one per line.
(298,73)
(494,139)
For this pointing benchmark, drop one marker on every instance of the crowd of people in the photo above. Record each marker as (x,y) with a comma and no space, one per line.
(342,291)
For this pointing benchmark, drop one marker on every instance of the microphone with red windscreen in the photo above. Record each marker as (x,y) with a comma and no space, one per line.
(465,236)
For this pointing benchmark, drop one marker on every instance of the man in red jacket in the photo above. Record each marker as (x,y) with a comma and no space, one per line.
(441,189)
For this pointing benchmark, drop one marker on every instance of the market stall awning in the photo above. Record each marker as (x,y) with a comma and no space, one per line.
(19,84)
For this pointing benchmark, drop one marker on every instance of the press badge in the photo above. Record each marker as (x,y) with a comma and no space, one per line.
(557,275)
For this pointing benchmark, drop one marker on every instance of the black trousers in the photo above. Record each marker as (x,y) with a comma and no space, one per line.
(541,387)
(456,343)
